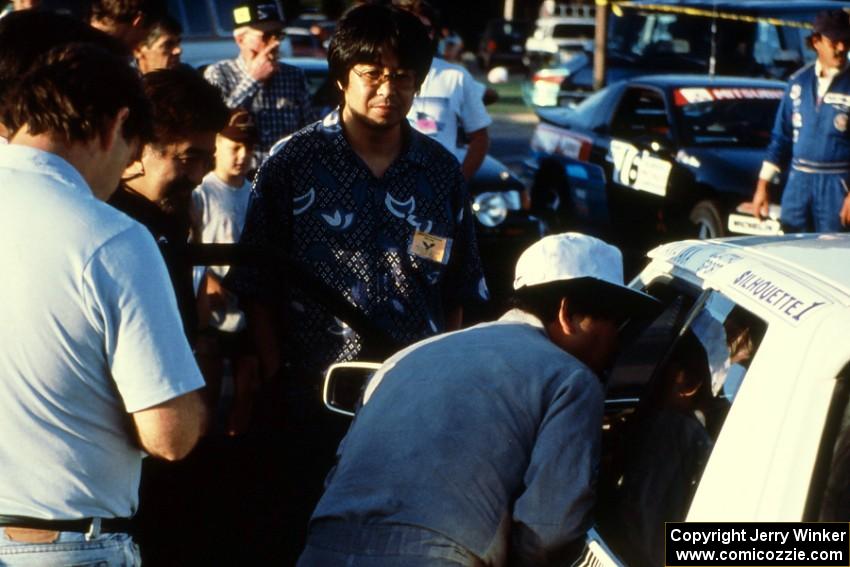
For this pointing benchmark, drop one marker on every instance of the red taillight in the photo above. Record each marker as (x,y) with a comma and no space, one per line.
(549,78)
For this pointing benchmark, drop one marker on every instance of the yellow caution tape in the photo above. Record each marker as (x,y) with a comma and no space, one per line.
(617,6)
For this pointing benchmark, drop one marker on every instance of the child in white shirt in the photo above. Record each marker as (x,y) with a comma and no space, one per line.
(220,209)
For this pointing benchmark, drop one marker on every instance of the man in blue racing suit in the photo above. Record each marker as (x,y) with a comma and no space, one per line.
(811,133)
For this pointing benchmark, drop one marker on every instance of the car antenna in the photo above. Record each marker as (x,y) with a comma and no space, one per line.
(712,60)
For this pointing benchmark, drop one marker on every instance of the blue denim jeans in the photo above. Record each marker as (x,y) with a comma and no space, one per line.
(337,544)
(71,549)
(811,202)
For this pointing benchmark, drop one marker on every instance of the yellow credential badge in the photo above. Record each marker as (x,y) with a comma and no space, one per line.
(431,247)
(242,15)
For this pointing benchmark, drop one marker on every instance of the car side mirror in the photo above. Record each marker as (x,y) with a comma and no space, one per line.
(344,385)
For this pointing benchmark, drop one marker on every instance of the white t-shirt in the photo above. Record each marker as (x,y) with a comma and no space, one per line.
(449,92)
(222,210)
(90,332)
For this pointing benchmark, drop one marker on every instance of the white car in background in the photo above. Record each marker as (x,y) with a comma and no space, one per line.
(733,405)
(556,39)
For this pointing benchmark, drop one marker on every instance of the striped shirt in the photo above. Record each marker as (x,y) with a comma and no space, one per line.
(280,105)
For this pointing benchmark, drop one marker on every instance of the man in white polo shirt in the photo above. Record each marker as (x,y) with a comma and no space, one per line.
(449,97)
(94,365)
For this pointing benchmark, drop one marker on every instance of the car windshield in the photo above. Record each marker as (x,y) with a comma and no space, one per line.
(509,29)
(224,13)
(727,116)
(195,19)
(681,43)
(573,31)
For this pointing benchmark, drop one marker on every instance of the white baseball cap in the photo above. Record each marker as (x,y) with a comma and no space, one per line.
(585,260)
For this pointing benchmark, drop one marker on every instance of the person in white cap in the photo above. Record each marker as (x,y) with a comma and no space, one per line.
(480,447)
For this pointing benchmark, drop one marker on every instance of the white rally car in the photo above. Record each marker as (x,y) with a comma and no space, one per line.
(733,404)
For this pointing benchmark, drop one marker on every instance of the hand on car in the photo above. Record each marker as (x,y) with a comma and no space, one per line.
(844,215)
(761,200)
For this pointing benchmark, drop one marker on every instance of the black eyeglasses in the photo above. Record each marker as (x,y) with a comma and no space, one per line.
(374,77)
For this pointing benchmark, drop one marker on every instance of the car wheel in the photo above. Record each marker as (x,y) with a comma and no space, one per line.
(706,218)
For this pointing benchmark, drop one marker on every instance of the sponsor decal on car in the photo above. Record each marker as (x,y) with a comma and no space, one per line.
(639,169)
(691,95)
(751,282)
(697,258)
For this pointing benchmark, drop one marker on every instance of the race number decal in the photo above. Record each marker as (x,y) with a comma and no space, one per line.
(638,169)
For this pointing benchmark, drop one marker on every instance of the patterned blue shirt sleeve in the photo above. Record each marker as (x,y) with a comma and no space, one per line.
(245,88)
(465,283)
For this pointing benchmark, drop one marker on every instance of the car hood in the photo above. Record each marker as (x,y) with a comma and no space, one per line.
(493,175)
(726,169)
(558,116)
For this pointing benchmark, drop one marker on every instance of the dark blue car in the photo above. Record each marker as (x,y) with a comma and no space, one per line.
(653,158)
(747,38)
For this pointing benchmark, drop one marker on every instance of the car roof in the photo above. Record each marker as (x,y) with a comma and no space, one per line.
(690,80)
(798,10)
(820,259)
(307,63)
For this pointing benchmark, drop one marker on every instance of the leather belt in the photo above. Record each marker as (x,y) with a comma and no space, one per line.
(83,525)
(839,167)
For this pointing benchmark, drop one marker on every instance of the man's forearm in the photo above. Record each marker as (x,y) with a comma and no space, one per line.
(171,429)
(479,143)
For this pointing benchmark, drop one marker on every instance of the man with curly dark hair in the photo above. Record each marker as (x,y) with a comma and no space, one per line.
(157,188)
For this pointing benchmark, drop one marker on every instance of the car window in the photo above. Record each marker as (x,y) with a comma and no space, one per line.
(767,43)
(224,13)
(717,116)
(573,31)
(829,497)
(193,16)
(641,114)
(685,371)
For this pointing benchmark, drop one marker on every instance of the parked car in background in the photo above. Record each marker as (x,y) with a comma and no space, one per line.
(502,43)
(557,38)
(748,38)
(304,43)
(653,158)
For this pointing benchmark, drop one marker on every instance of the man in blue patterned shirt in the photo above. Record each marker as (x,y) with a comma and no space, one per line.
(374,209)
(275,93)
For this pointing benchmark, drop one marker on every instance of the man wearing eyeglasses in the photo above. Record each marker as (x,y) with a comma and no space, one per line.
(376,210)
(275,93)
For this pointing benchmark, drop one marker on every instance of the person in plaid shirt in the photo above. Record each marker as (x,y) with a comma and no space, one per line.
(273,92)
